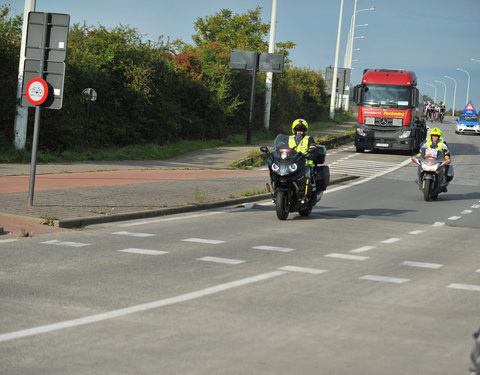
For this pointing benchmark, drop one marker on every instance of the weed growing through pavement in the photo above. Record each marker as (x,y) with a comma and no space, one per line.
(48,220)
(25,232)
(200,196)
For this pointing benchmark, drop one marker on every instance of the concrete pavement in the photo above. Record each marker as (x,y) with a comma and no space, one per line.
(73,195)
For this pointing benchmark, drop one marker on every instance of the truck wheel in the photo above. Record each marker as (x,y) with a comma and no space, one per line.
(360,149)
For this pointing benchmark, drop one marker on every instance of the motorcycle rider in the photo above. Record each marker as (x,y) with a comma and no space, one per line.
(301,142)
(436,142)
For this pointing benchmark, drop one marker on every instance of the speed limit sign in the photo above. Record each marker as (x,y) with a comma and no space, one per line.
(36,91)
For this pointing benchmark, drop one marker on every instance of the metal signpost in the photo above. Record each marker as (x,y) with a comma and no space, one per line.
(44,71)
(256,61)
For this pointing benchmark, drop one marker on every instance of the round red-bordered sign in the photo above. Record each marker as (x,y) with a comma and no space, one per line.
(36,91)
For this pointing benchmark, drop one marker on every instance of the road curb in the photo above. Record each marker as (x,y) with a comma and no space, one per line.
(85,221)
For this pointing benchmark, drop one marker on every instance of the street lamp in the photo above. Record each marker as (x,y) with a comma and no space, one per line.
(477,60)
(468,83)
(454,93)
(435,97)
(351,37)
(333,95)
(444,91)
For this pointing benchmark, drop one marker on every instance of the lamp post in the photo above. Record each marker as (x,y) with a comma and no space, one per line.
(269,80)
(435,88)
(351,38)
(444,90)
(468,83)
(454,93)
(477,60)
(333,95)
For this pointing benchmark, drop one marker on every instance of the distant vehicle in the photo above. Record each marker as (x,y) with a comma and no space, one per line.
(390,112)
(468,121)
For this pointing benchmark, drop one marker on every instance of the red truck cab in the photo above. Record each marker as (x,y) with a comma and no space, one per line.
(390,112)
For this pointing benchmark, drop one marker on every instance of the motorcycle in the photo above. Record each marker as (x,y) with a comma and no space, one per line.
(294,187)
(433,177)
(475,354)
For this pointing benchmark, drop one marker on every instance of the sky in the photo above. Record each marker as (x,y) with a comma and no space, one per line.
(431,37)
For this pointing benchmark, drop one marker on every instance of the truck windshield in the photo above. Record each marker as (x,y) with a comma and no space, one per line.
(386,95)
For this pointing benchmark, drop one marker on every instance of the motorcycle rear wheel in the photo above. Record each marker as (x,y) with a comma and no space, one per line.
(281,205)
(427,193)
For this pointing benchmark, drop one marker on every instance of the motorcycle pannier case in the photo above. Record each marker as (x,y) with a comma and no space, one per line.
(322,177)
(318,155)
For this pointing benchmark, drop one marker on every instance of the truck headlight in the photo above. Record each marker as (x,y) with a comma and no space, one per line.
(405,134)
(361,132)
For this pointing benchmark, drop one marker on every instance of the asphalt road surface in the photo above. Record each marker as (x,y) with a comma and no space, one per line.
(374,281)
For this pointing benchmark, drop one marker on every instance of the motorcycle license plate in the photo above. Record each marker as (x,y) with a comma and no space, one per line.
(381,144)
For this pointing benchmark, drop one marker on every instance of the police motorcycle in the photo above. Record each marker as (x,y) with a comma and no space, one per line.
(475,354)
(432,172)
(294,187)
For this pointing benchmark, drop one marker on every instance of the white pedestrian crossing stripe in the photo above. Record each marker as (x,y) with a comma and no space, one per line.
(134,234)
(221,260)
(203,240)
(143,251)
(360,167)
(274,248)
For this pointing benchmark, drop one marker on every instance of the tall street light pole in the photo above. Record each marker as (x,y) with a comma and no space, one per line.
(468,83)
(269,80)
(444,90)
(21,114)
(454,93)
(435,88)
(335,69)
(477,60)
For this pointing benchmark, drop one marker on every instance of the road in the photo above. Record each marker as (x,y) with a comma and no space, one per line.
(375,281)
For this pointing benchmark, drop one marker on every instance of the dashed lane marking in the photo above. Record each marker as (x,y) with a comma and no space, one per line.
(438,224)
(415,232)
(466,212)
(203,240)
(173,218)
(65,243)
(274,248)
(421,264)
(362,249)
(346,256)
(474,288)
(221,260)
(313,271)
(385,279)
(454,217)
(134,234)
(391,240)
(9,240)
(143,251)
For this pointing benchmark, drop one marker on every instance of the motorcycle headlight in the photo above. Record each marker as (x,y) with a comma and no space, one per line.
(429,168)
(293,167)
(405,134)
(275,167)
(361,132)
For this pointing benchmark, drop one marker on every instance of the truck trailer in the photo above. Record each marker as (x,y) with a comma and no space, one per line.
(390,111)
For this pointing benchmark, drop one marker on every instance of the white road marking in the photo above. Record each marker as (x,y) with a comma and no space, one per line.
(221,260)
(385,279)
(65,243)
(415,232)
(391,240)
(9,240)
(476,206)
(274,248)
(203,240)
(454,217)
(478,270)
(421,264)
(362,249)
(313,271)
(475,288)
(173,218)
(138,308)
(438,224)
(134,234)
(466,212)
(346,256)
(143,251)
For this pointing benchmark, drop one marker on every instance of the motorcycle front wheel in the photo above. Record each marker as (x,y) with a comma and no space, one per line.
(281,205)
(427,193)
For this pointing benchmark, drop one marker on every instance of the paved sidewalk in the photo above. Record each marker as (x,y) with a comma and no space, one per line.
(73,195)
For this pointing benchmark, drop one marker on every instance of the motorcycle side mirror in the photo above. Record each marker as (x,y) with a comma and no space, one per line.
(264,149)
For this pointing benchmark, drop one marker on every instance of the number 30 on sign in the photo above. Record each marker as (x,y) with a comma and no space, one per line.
(36,91)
